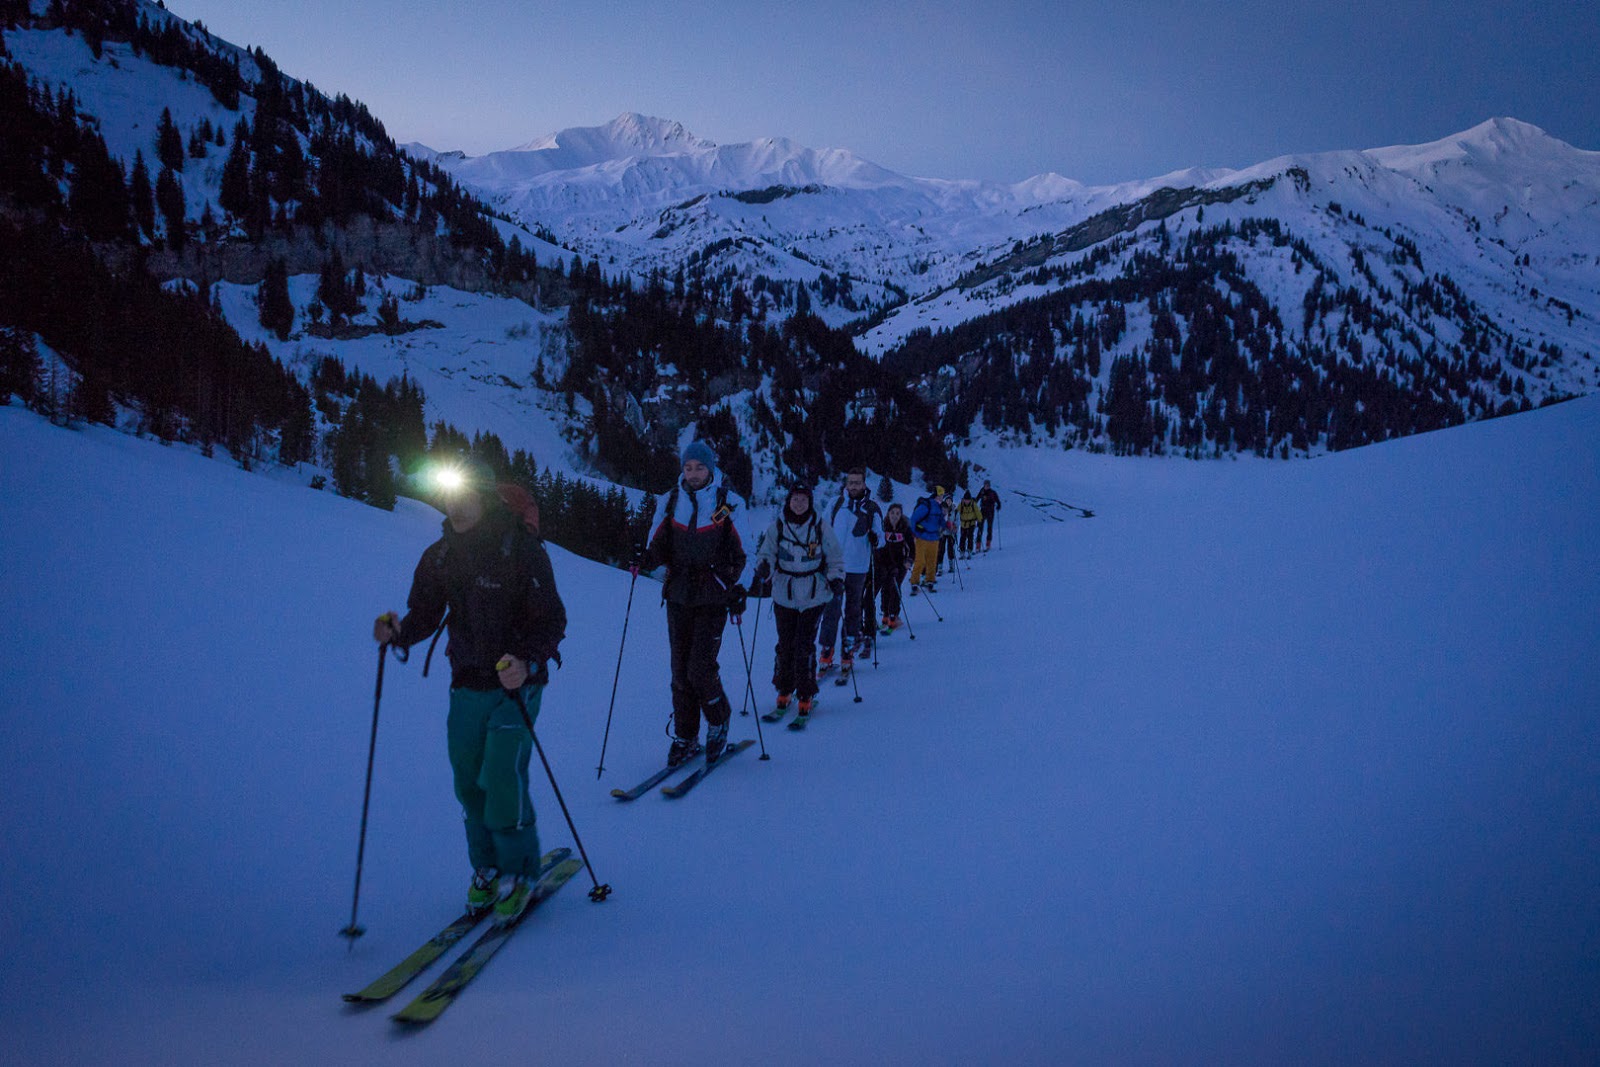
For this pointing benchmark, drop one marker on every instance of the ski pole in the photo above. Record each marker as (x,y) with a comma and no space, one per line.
(855,685)
(749,661)
(872,609)
(904,616)
(628,613)
(928,597)
(599,892)
(354,931)
(749,682)
(955,565)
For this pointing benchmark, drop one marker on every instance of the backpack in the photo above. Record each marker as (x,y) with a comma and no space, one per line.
(812,544)
(519,501)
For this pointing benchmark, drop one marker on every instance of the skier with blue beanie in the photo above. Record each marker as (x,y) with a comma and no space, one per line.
(695,535)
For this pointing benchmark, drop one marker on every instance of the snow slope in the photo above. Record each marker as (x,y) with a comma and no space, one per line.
(1266,763)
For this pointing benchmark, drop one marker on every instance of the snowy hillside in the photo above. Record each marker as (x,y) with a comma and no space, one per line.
(1265,763)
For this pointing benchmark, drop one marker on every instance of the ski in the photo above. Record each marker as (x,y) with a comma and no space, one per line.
(844,677)
(432,1002)
(704,769)
(654,780)
(395,979)
(799,721)
(775,715)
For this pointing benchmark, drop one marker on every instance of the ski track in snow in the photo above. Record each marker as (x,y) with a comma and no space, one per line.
(1266,763)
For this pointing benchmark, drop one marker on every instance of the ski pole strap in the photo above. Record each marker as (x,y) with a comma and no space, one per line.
(428,660)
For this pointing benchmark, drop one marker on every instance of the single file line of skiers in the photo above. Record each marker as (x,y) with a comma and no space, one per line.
(833,583)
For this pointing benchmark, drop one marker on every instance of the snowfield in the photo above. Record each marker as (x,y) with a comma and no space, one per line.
(1266,763)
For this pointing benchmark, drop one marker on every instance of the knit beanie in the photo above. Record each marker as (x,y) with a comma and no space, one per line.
(699,450)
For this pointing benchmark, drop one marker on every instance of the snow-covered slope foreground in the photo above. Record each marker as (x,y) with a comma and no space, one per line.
(1262,764)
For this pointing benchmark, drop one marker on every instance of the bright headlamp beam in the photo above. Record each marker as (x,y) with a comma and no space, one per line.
(449,479)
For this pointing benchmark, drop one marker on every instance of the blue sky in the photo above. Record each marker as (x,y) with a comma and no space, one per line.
(1096,91)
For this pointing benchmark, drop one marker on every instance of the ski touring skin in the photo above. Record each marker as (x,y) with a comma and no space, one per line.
(704,769)
(431,1002)
(655,779)
(396,978)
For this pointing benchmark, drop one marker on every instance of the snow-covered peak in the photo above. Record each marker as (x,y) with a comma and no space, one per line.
(629,134)
(1493,140)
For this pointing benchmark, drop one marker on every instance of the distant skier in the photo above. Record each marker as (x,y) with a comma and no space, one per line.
(970,515)
(801,561)
(927,526)
(947,534)
(891,562)
(858,523)
(988,504)
(695,533)
(492,576)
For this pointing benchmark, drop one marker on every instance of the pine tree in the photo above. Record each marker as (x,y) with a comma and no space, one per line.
(272,298)
(169,142)
(19,365)
(144,202)
(886,490)
(235,193)
(169,199)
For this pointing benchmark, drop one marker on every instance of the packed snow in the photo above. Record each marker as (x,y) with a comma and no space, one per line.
(1264,763)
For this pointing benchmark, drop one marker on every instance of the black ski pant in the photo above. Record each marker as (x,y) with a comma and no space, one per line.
(986,528)
(794,668)
(889,570)
(967,533)
(695,636)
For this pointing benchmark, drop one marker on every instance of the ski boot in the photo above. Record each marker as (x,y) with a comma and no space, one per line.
(716,741)
(510,907)
(802,714)
(485,888)
(780,710)
(825,661)
(680,752)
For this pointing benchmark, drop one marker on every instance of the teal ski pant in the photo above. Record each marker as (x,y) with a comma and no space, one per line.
(489,750)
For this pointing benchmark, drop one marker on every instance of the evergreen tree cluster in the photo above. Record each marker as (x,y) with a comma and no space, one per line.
(648,360)
(171,354)
(1219,371)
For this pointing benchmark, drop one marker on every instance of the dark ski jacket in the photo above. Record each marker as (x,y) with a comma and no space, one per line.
(897,550)
(696,535)
(989,502)
(500,591)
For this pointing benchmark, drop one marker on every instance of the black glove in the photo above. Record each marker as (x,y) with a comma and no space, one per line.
(736,599)
(836,587)
(761,574)
(637,559)
(761,588)
(539,675)
(872,538)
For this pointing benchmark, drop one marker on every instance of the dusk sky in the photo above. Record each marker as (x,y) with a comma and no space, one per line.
(1097,91)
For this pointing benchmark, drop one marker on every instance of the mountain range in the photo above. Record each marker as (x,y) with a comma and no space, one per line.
(812,308)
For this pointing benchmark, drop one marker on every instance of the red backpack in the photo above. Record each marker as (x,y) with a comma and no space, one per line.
(519,501)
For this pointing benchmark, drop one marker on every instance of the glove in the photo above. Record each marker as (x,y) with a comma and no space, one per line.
(761,588)
(872,538)
(636,561)
(736,600)
(761,574)
(836,587)
(385,628)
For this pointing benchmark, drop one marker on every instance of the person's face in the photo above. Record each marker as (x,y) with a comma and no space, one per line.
(895,512)
(695,473)
(464,508)
(799,503)
(855,484)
